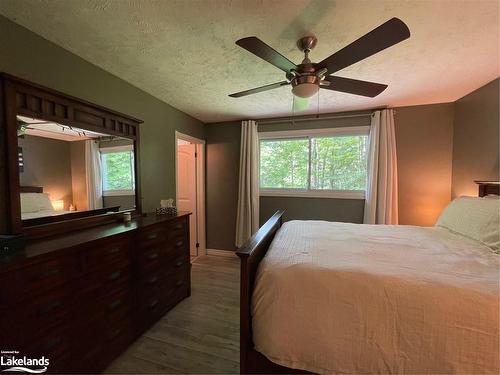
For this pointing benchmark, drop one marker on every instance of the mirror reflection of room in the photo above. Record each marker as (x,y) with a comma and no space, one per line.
(63,170)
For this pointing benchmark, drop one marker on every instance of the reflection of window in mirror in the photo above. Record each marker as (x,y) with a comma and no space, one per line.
(118,178)
(67,169)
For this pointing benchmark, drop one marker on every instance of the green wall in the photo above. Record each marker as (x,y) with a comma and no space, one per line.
(223,156)
(424,141)
(222,174)
(29,56)
(476,139)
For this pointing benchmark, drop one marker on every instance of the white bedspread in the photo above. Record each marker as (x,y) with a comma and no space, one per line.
(43,213)
(349,298)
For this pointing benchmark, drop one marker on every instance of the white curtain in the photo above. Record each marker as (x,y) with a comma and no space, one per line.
(247,219)
(93,171)
(381,204)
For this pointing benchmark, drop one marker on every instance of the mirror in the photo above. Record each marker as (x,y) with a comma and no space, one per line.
(66,172)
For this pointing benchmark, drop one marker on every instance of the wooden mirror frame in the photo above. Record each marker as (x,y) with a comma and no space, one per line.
(20,97)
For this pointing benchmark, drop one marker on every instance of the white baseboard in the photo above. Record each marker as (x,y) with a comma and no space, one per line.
(223,253)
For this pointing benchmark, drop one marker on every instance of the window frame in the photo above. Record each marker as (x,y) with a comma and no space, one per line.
(113,150)
(309,134)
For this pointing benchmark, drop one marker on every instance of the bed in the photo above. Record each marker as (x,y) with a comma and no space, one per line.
(37,209)
(36,204)
(388,299)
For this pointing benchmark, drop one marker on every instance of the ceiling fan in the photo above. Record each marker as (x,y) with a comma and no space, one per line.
(307,77)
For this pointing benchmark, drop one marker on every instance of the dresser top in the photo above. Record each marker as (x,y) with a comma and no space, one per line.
(44,246)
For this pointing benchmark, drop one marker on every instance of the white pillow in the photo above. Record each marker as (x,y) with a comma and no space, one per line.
(476,218)
(35,202)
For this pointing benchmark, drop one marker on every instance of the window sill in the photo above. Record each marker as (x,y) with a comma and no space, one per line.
(116,193)
(335,194)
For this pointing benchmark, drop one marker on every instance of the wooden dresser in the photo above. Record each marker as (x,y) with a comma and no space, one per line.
(81,298)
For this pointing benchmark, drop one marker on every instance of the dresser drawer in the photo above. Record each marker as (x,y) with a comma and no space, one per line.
(150,257)
(113,305)
(154,301)
(177,246)
(106,280)
(178,263)
(36,279)
(106,253)
(43,310)
(100,343)
(26,322)
(153,234)
(176,227)
(41,277)
(51,343)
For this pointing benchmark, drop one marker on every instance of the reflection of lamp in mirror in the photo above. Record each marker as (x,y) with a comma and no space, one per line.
(58,204)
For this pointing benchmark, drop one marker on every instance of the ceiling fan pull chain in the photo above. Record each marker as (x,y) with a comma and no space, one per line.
(317,108)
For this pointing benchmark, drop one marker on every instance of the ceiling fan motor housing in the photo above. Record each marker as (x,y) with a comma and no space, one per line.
(305,86)
(306,78)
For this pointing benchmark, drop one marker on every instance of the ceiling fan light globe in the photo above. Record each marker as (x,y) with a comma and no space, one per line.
(305,90)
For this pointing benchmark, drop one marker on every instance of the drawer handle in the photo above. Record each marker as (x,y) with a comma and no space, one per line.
(179,283)
(179,244)
(114,305)
(179,263)
(114,250)
(153,304)
(153,256)
(117,332)
(152,280)
(47,273)
(48,308)
(115,275)
(152,236)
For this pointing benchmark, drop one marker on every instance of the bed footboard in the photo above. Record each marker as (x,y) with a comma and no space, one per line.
(251,361)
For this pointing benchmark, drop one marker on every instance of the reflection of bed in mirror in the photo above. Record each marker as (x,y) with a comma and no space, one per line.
(70,172)
(37,208)
(35,203)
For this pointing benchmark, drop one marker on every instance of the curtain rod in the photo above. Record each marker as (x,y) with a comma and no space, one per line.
(301,119)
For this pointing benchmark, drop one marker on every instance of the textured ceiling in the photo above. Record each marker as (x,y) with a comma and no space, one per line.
(183,51)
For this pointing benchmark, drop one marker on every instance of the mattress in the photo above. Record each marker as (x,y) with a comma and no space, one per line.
(349,298)
(43,213)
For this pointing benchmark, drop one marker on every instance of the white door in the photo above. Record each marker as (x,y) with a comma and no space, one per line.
(186,187)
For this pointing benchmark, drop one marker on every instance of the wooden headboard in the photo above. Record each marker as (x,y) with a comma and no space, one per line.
(31,189)
(488,188)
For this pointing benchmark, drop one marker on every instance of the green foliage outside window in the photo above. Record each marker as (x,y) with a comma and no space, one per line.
(284,163)
(337,163)
(118,171)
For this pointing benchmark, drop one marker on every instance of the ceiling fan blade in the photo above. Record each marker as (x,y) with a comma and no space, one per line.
(384,36)
(259,89)
(262,50)
(354,86)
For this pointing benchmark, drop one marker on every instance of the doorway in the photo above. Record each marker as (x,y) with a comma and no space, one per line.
(190,187)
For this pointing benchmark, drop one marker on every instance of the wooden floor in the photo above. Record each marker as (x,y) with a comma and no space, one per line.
(200,334)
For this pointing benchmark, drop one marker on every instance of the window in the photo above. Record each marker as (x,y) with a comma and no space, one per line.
(314,163)
(118,171)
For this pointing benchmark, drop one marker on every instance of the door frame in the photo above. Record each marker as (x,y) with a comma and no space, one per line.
(200,186)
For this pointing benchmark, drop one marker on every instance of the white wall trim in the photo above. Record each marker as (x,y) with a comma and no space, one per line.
(113,149)
(200,176)
(189,138)
(223,253)
(326,132)
(340,194)
(117,193)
